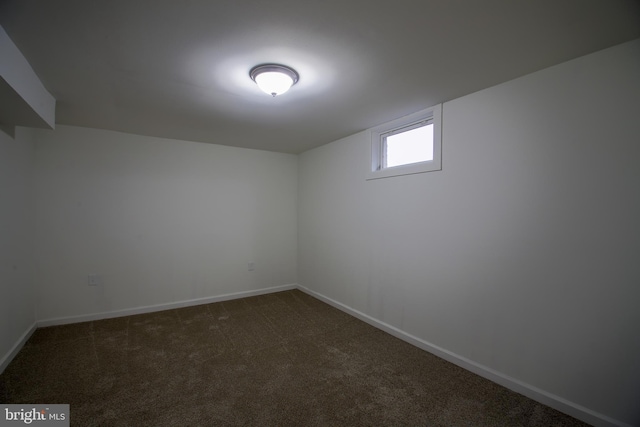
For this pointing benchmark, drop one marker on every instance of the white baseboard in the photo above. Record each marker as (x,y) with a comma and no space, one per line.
(563,405)
(160,307)
(4,362)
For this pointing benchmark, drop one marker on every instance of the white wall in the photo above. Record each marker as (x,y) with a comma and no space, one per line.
(522,254)
(160,220)
(17,296)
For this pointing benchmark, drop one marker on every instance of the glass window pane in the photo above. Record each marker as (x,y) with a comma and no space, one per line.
(413,146)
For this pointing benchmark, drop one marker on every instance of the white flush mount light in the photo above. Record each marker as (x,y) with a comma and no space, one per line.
(274,79)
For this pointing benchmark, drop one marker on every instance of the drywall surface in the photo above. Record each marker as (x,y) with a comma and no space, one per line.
(522,253)
(17,290)
(25,101)
(157,220)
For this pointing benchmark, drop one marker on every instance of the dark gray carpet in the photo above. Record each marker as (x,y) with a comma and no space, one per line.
(284,359)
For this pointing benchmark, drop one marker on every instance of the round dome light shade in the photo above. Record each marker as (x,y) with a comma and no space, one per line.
(274,79)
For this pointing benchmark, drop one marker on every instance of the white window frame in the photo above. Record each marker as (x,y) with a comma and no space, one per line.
(431,115)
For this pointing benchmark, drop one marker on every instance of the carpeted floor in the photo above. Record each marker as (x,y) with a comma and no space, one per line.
(283,359)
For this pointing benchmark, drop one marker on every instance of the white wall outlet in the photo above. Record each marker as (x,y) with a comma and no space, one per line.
(251,266)
(94,280)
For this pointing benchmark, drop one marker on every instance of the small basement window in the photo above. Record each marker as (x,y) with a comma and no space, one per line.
(406,146)
(411,144)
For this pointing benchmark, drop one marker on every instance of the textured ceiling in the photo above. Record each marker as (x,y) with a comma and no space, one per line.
(179,69)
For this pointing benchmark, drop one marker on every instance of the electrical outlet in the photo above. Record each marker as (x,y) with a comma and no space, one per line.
(94,279)
(251,266)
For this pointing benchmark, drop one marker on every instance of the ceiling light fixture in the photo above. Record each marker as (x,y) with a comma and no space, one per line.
(274,79)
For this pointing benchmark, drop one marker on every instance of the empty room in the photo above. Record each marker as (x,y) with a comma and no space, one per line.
(417,213)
